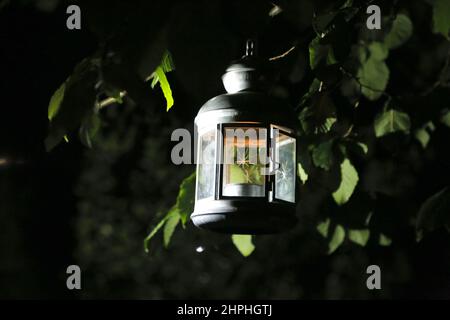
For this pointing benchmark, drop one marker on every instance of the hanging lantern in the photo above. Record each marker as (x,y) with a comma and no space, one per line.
(246,156)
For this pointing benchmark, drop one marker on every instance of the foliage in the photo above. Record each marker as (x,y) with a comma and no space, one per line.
(349,179)
(159,76)
(243,243)
(179,212)
(390,121)
(441,22)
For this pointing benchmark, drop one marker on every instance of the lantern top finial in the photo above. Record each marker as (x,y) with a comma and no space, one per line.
(250,48)
(247,73)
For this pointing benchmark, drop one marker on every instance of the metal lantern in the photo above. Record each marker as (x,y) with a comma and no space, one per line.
(246,156)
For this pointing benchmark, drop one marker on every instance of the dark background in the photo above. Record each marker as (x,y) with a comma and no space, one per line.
(94,207)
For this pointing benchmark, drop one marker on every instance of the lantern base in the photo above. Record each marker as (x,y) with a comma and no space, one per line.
(234,217)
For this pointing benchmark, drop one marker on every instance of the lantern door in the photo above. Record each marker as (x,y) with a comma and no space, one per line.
(245,161)
(283,155)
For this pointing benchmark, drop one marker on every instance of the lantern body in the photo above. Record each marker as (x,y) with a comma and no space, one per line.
(246,159)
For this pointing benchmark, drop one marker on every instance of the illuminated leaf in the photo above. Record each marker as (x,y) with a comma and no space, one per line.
(55,101)
(337,239)
(391,120)
(169,227)
(243,243)
(384,240)
(359,236)
(323,227)
(441,17)
(165,86)
(322,155)
(373,76)
(301,173)
(181,211)
(401,31)
(349,180)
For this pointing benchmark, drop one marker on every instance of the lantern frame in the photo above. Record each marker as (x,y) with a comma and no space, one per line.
(247,105)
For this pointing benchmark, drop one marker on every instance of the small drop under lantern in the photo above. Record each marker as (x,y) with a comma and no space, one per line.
(246,156)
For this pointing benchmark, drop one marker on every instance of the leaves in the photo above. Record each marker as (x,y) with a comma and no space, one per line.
(55,101)
(349,180)
(302,173)
(169,227)
(320,115)
(441,17)
(243,243)
(445,117)
(71,103)
(390,121)
(165,86)
(322,155)
(153,232)
(89,128)
(378,51)
(435,211)
(384,240)
(319,53)
(363,147)
(323,227)
(400,32)
(359,236)
(185,199)
(337,239)
(373,76)
(181,211)
(423,134)
(159,76)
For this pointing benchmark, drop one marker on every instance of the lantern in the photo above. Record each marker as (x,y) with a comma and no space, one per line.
(246,156)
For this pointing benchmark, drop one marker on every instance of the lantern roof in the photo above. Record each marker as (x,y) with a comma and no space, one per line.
(251,106)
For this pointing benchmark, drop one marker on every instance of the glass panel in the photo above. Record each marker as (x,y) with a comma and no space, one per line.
(245,156)
(285,174)
(206,165)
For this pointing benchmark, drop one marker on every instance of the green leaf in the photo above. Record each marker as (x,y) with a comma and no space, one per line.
(435,211)
(337,239)
(186,197)
(423,134)
(401,31)
(89,128)
(373,76)
(301,173)
(317,52)
(378,51)
(69,108)
(445,117)
(55,101)
(320,54)
(323,227)
(391,120)
(320,115)
(159,76)
(243,243)
(364,147)
(153,233)
(359,236)
(384,240)
(349,180)
(169,227)
(167,63)
(165,86)
(181,211)
(322,155)
(313,88)
(441,17)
